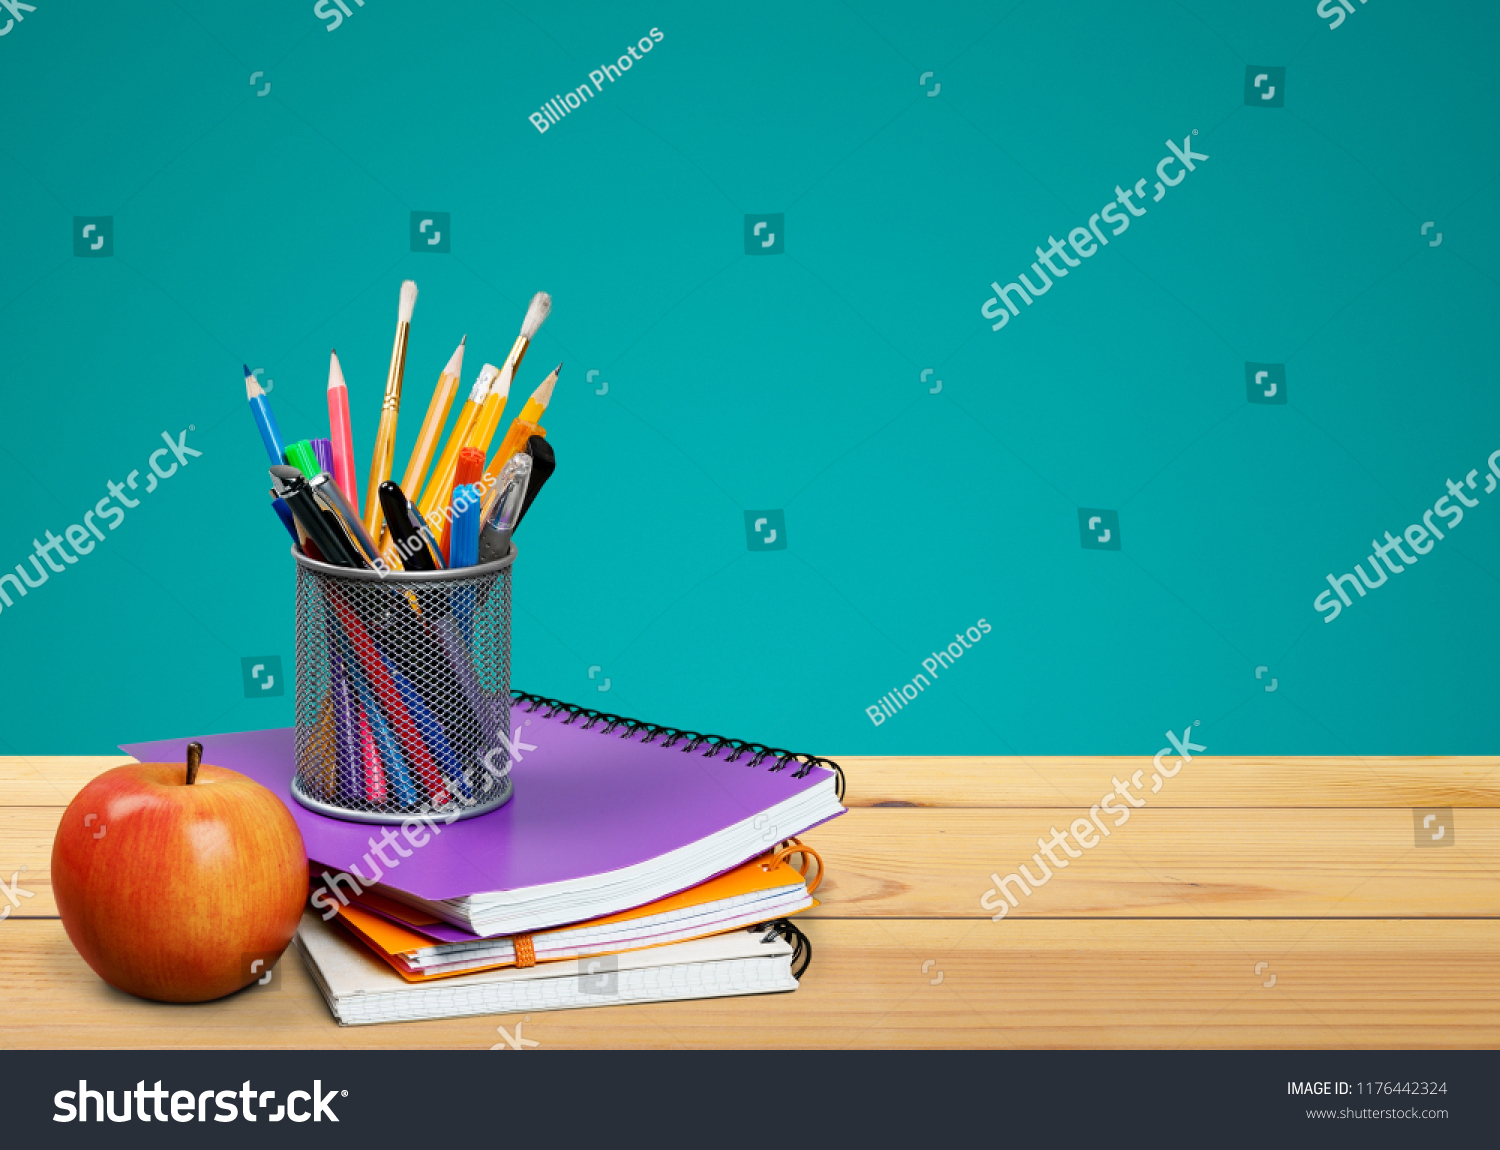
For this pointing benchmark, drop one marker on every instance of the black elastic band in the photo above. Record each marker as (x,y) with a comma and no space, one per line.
(737,747)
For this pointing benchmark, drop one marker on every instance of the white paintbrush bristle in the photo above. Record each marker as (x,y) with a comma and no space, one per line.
(541,307)
(408,301)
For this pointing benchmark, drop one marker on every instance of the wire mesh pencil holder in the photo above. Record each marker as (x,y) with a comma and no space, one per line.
(403,691)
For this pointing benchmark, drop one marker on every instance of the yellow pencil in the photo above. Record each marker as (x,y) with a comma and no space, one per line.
(435,497)
(385,435)
(483,431)
(437,418)
(524,425)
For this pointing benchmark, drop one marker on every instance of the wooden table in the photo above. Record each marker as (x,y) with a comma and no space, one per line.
(1250,903)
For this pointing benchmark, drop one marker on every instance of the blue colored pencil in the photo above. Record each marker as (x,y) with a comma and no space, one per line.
(432,732)
(284,513)
(265,419)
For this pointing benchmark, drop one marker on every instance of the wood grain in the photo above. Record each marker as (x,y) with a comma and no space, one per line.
(1163,864)
(1208,781)
(1018,984)
(1160,864)
(1152,938)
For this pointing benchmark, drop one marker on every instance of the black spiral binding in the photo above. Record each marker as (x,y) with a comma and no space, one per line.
(801,944)
(716,743)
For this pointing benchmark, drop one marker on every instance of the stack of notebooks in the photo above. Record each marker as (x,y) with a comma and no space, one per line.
(634,864)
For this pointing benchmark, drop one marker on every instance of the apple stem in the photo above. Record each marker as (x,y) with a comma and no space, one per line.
(194,760)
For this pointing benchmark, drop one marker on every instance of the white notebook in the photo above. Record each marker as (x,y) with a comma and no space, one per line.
(360,988)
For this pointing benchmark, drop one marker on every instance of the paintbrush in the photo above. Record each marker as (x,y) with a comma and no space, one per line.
(385,434)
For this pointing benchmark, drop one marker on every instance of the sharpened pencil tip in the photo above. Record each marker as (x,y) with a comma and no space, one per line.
(247,370)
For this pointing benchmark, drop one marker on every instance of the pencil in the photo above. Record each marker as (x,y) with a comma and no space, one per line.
(340,431)
(385,749)
(435,498)
(423,452)
(374,777)
(524,426)
(385,689)
(385,434)
(265,420)
(483,431)
(350,781)
(540,398)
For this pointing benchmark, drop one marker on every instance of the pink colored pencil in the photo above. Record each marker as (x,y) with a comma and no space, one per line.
(374,776)
(340,431)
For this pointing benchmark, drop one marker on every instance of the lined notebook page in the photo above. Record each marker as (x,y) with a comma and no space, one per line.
(362,989)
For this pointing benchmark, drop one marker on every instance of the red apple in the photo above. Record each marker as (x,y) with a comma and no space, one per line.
(179,884)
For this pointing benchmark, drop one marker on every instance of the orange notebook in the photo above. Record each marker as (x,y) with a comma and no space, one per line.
(758,891)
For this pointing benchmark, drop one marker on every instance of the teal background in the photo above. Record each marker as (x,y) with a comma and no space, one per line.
(268,229)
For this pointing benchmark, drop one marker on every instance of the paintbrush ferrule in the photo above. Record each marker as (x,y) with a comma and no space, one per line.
(398,366)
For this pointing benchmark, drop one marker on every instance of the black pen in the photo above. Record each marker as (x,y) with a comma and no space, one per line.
(410,544)
(293,488)
(344,518)
(543,464)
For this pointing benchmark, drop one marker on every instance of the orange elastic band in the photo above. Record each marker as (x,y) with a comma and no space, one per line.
(525,950)
(808,857)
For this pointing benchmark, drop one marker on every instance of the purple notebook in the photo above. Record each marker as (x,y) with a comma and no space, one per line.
(587,802)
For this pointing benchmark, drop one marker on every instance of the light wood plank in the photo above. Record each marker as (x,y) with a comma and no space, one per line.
(1018,984)
(1162,863)
(50,781)
(1208,781)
